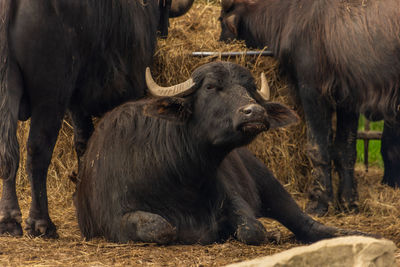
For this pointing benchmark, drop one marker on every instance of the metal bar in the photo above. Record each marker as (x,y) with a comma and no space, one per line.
(233,54)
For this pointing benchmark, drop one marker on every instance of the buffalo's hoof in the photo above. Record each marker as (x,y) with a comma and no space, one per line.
(317,208)
(348,201)
(161,233)
(318,203)
(319,231)
(348,206)
(391,181)
(10,222)
(274,236)
(151,228)
(251,232)
(345,232)
(40,228)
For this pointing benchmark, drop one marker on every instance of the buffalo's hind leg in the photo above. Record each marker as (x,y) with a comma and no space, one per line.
(345,155)
(10,213)
(144,226)
(41,141)
(318,116)
(390,150)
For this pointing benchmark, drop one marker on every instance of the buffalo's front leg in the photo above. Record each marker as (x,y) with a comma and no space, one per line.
(42,138)
(345,155)
(277,203)
(147,227)
(318,116)
(390,150)
(248,229)
(235,179)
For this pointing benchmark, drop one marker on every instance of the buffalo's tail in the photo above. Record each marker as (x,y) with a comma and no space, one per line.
(9,148)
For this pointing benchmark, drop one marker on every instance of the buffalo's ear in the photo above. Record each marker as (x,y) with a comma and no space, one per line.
(232,23)
(174,109)
(280,115)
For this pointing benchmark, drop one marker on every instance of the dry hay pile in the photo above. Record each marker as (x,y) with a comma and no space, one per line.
(282,150)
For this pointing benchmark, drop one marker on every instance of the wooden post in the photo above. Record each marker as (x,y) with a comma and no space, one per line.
(366,145)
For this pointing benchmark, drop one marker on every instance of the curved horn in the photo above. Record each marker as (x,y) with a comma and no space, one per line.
(264,90)
(184,88)
(180,7)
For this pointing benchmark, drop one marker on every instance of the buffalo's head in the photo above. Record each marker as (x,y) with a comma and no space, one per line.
(220,104)
(232,12)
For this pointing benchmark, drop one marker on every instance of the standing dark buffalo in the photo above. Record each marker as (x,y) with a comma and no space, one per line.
(84,57)
(340,56)
(168,169)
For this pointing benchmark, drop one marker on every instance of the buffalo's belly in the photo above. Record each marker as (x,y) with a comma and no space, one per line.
(45,51)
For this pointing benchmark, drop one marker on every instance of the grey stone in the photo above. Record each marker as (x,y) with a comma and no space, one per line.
(356,251)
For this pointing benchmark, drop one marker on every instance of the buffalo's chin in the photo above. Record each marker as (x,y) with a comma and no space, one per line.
(253,128)
(244,134)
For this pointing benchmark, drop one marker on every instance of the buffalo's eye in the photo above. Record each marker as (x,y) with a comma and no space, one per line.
(220,19)
(214,87)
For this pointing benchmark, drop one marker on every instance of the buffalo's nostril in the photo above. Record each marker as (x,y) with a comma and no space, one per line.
(247,110)
(251,110)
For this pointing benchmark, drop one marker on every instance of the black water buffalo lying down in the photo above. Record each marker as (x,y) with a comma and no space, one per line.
(169,169)
(85,57)
(340,56)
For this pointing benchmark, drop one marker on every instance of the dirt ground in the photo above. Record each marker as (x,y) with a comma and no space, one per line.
(197,31)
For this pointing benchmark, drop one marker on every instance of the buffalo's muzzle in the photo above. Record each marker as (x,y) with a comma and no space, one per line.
(252,119)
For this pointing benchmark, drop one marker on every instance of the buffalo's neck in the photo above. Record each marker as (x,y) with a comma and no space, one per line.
(190,160)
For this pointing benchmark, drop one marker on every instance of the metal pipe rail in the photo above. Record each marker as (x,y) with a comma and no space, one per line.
(265,53)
